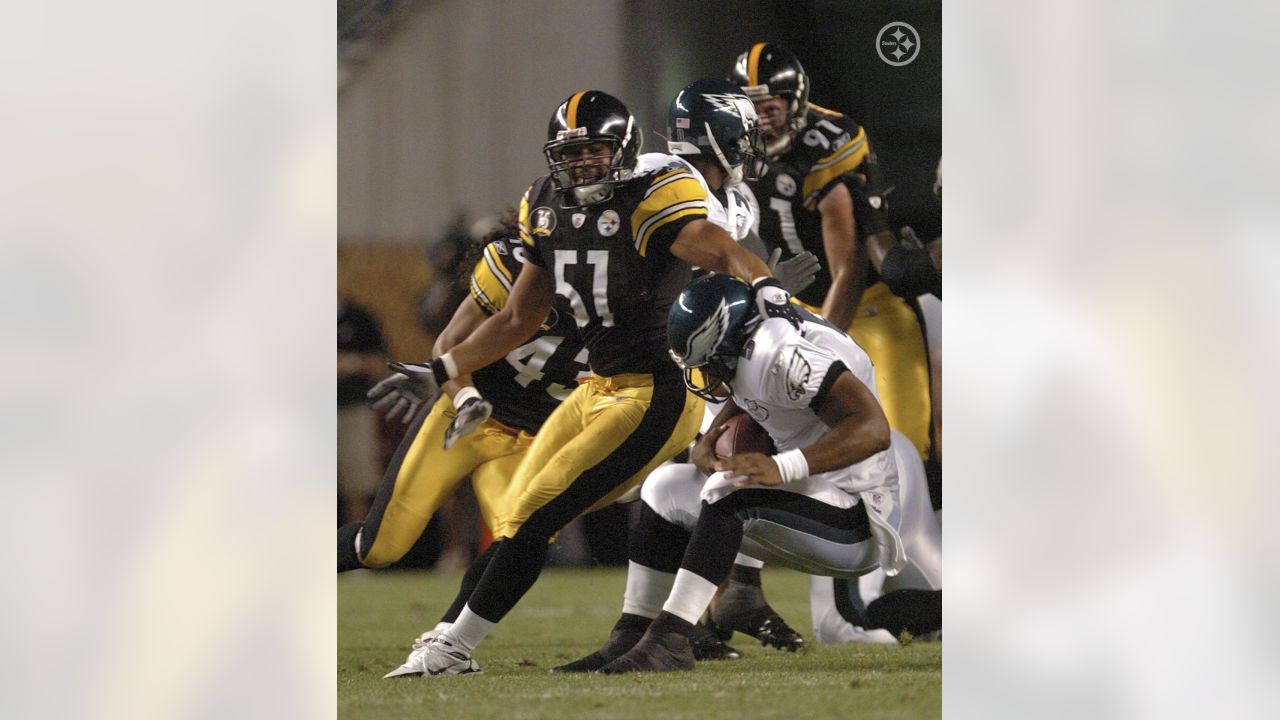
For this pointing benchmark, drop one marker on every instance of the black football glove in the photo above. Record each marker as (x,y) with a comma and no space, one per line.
(401,394)
(796,273)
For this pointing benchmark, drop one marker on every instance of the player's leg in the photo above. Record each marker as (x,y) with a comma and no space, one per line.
(785,528)
(419,477)
(668,512)
(622,428)
(489,482)
(887,328)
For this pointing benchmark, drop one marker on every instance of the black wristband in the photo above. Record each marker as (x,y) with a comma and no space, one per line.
(439,372)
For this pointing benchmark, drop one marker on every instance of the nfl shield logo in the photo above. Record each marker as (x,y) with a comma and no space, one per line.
(578,219)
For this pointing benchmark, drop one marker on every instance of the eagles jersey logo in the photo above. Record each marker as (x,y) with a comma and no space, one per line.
(797,375)
(786,185)
(544,221)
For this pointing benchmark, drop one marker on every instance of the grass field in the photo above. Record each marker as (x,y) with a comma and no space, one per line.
(568,614)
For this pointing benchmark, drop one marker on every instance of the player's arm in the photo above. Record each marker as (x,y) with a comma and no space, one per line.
(907,271)
(530,302)
(859,428)
(840,245)
(858,431)
(703,453)
(705,244)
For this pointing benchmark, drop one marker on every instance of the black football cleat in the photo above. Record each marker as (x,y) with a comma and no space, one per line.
(625,634)
(742,608)
(665,647)
(708,646)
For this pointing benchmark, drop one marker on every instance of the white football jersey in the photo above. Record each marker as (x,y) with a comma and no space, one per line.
(739,215)
(781,374)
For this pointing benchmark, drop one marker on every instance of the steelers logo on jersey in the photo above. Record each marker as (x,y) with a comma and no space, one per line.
(544,221)
(608,223)
(786,185)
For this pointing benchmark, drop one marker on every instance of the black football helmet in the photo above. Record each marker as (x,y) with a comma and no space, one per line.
(712,118)
(768,70)
(706,329)
(585,118)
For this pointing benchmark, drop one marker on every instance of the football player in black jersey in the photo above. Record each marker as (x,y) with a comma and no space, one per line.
(520,392)
(822,192)
(619,247)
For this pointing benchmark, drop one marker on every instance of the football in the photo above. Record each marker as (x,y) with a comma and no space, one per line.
(744,435)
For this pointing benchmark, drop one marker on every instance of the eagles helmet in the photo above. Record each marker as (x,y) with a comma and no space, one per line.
(712,118)
(706,329)
(586,118)
(768,70)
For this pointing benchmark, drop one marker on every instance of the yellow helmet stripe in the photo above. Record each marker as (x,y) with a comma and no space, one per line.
(571,115)
(753,64)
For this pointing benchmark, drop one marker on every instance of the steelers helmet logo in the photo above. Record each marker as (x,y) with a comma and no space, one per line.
(608,223)
(786,185)
(544,221)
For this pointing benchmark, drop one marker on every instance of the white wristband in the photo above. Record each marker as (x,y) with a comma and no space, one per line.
(464,395)
(450,366)
(792,465)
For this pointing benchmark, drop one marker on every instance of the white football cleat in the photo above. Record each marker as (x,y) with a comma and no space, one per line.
(430,635)
(440,658)
(413,664)
(845,632)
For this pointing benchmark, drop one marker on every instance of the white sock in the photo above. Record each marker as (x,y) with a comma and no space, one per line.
(646,590)
(748,561)
(690,596)
(822,609)
(467,631)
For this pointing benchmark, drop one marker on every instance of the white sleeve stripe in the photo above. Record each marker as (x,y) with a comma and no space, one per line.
(678,176)
(849,150)
(644,229)
(497,271)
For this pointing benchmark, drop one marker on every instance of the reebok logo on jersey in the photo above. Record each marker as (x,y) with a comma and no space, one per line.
(797,375)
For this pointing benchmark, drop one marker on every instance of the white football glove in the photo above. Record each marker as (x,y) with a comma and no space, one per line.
(401,394)
(772,300)
(796,273)
(471,415)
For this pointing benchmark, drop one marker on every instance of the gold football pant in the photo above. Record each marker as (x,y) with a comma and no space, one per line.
(888,330)
(422,475)
(603,440)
